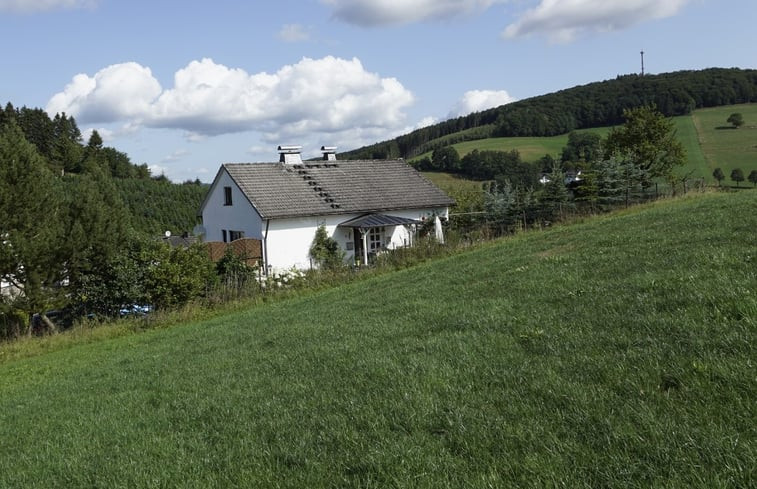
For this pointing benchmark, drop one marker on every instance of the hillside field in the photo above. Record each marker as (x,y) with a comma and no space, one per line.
(725,147)
(614,352)
(708,139)
(530,148)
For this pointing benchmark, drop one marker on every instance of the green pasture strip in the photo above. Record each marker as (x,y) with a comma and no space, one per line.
(530,148)
(614,352)
(695,166)
(450,182)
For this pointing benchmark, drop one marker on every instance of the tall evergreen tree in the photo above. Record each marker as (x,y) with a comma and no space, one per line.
(31,232)
(554,197)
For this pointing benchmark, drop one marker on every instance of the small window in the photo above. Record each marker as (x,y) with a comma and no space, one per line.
(235,235)
(227,196)
(223,231)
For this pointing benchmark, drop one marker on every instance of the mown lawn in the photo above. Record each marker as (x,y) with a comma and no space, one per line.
(616,352)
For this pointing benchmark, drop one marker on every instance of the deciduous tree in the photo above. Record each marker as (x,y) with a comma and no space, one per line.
(737,175)
(648,140)
(718,175)
(753,177)
(446,159)
(736,120)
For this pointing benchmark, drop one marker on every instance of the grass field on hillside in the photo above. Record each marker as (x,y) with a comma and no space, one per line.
(708,139)
(615,352)
(696,164)
(725,147)
(452,183)
(531,149)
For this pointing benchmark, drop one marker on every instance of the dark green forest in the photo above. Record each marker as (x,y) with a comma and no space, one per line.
(153,203)
(593,105)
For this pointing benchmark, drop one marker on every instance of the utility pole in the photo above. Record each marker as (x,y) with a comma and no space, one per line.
(642,63)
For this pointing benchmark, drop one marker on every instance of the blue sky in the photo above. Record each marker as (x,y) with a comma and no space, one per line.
(184,86)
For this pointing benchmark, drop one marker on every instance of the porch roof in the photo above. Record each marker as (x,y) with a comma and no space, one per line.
(368,221)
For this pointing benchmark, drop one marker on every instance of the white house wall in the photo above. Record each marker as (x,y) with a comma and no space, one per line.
(289,240)
(239,216)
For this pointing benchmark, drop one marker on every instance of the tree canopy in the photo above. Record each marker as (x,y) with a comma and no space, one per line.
(737,175)
(718,175)
(648,140)
(736,120)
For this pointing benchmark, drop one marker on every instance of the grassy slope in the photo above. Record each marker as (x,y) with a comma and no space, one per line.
(696,165)
(705,135)
(450,182)
(531,149)
(614,352)
(725,147)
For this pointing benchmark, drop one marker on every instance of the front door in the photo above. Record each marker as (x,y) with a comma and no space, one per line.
(358,238)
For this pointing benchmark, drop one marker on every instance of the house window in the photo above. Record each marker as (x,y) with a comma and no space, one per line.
(227,196)
(235,235)
(223,231)
(375,239)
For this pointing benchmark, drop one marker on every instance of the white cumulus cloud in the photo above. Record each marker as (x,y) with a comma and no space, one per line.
(119,92)
(32,6)
(478,100)
(385,12)
(327,96)
(564,20)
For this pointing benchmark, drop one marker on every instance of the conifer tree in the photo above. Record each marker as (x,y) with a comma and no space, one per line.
(31,233)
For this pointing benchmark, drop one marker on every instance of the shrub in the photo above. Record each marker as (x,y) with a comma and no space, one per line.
(325,251)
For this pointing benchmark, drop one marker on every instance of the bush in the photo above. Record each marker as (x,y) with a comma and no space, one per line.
(325,251)
(175,276)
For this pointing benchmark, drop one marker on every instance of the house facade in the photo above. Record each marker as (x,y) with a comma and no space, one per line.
(365,205)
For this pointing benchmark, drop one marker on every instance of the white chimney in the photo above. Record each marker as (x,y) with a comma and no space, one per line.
(290,155)
(329,153)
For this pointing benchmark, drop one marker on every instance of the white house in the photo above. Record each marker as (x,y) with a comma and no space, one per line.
(365,205)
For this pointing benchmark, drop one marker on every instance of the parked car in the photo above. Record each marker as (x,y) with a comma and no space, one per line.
(135,310)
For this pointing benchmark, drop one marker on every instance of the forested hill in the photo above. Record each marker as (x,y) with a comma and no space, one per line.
(593,105)
(152,204)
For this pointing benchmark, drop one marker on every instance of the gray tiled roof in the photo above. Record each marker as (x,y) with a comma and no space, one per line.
(334,187)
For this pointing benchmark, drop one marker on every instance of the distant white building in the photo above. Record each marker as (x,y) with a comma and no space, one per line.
(365,205)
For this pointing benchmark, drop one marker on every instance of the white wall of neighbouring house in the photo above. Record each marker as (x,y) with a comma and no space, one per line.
(239,216)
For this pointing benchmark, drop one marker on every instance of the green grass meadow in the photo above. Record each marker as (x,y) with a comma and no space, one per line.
(725,147)
(696,165)
(530,148)
(617,351)
(710,142)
